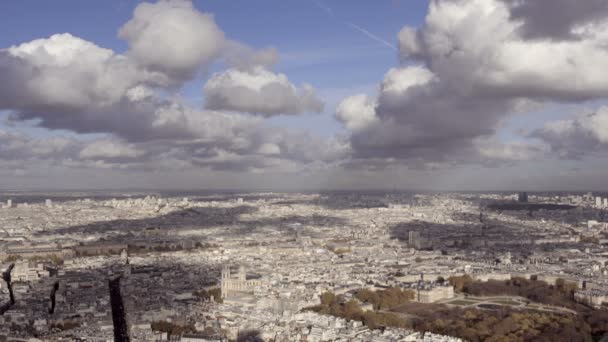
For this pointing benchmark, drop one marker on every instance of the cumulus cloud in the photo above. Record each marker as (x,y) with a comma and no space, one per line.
(356,112)
(65,82)
(108,149)
(173,37)
(16,146)
(419,117)
(66,73)
(252,148)
(565,22)
(18,150)
(477,43)
(269,149)
(258,150)
(575,138)
(494,150)
(478,62)
(90,95)
(259,91)
(400,80)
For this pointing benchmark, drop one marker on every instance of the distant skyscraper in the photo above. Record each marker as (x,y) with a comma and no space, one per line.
(598,201)
(605,202)
(48,202)
(522,197)
(9,203)
(414,239)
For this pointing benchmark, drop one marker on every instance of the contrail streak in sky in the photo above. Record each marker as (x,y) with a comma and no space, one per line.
(372,36)
(355,27)
(323,7)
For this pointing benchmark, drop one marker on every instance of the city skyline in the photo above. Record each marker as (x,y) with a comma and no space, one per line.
(285,267)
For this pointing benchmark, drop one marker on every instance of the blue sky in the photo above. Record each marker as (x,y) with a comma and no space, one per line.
(310,42)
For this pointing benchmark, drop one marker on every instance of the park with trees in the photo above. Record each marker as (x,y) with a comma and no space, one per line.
(394,307)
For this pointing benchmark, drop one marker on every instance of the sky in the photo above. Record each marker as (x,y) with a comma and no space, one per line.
(304,94)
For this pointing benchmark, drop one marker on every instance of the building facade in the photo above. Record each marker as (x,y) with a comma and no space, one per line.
(237,283)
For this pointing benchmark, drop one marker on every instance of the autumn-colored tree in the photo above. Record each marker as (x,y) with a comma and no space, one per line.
(473,324)
(352,311)
(566,287)
(172,329)
(387,299)
(328,298)
(460,282)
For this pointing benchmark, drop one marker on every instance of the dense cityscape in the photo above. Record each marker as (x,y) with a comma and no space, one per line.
(304,171)
(342,266)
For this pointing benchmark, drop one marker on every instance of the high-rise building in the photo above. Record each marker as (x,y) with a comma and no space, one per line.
(598,201)
(605,202)
(522,197)
(48,202)
(9,203)
(414,239)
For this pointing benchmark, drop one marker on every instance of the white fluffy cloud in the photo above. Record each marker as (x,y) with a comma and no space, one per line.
(65,82)
(478,61)
(173,37)
(494,150)
(269,149)
(478,44)
(108,149)
(399,80)
(259,91)
(16,146)
(356,112)
(64,72)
